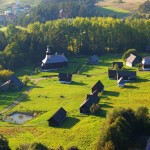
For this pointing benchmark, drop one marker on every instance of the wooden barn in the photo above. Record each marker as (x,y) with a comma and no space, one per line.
(93,60)
(58,117)
(146,63)
(65,78)
(120,64)
(98,87)
(12,84)
(127,75)
(90,100)
(133,60)
(53,61)
(112,74)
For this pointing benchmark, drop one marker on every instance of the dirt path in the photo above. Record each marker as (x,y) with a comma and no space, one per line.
(17,101)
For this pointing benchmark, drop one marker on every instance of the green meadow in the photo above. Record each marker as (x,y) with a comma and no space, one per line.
(48,95)
(113,11)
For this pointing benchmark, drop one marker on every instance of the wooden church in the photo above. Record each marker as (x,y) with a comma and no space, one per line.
(52,62)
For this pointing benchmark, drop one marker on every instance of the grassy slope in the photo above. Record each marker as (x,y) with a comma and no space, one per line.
(79,130)
(113,11)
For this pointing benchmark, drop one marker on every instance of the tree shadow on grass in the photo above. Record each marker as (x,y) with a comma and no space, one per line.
(140,80)
(69,122)
(111,93)
(77,83)
(130,87)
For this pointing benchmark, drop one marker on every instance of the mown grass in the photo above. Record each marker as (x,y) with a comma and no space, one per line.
(113,11)
(78,130)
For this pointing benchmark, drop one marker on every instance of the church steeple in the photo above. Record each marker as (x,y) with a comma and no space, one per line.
(48,52)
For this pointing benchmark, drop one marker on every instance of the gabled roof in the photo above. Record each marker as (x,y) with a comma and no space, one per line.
(146,61)
(59,115)
(16,81)
(131,74)
(132,58)
(98,86)
(58,58)
(90,101)
(121,81)
(90,96)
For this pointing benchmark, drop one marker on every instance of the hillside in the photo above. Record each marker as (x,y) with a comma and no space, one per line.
(6,3)
(126,5)
(80,130)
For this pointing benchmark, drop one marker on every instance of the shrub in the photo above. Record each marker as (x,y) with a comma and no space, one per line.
(27,80)
(5,74)
(109,146)
(94,108)
(127,53)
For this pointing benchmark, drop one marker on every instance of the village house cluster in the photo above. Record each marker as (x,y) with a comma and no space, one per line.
(13,11)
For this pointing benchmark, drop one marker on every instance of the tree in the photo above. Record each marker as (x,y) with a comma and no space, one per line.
(5,74)
(127,53)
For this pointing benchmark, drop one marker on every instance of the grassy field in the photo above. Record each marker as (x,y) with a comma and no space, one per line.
(77,130)
(126,5)
(112,11)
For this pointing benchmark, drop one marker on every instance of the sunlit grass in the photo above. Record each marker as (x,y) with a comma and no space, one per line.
(77,130)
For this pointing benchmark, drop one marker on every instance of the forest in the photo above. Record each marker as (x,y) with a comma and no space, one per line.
(79,36)
(50,10)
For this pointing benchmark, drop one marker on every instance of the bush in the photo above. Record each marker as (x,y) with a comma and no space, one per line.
(27,80)
(5,74)
(122,126)
(127,53)
(94,108)
(109,146)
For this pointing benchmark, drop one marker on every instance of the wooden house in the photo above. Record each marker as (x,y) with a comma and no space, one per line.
(121,82)
(127,75)
(120,64)
(98,87)
(146,63)
(112,74)
(93,60)
(53,61)
(12,84)
(90,100)
(57,118)
(133,60)
(65,78)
